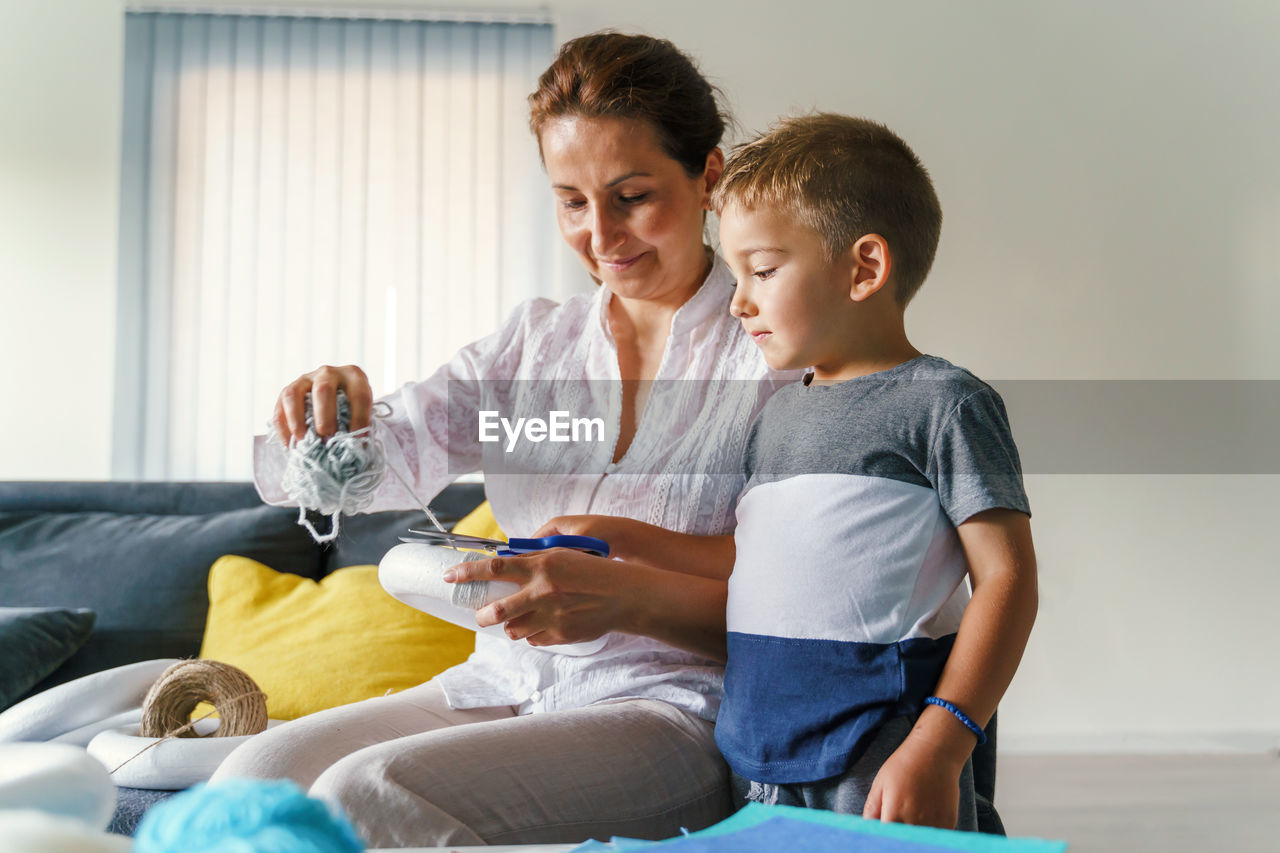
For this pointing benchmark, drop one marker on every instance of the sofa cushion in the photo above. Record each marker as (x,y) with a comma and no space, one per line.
(144,575)
(36,640)
(131,805)
(312,646)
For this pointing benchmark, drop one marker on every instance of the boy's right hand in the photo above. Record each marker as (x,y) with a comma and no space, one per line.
(919,784)
(656,547)
(618,532)
(290,415)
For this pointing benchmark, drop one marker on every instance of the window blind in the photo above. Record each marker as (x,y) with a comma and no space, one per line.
(300,191)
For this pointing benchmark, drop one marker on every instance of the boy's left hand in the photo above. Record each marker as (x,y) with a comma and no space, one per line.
(917,785)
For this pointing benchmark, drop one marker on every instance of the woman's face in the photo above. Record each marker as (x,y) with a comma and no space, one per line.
(629,211)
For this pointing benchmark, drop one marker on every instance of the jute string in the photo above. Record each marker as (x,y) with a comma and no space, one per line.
(235,697)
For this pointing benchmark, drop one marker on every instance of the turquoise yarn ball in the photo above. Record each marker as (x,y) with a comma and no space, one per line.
(245,816)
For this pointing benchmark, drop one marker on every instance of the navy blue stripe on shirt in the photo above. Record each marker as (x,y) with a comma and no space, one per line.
(799,710)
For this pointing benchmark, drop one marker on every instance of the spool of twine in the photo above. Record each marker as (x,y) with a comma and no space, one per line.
(239,701)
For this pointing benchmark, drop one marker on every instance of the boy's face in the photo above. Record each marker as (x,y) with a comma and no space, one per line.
(793,301)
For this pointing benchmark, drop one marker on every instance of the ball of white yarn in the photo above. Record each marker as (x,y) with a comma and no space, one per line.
(334,476)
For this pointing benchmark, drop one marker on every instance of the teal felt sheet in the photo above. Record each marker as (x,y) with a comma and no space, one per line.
(767,829)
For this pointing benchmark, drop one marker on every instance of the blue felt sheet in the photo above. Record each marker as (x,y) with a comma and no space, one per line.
(768,829)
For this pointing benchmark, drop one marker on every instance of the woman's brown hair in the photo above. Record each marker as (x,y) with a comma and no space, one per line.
(612,75)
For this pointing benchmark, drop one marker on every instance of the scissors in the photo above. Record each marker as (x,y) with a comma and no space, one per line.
(588,544)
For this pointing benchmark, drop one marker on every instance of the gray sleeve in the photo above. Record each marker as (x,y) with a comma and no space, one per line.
(974,463)
(749,455)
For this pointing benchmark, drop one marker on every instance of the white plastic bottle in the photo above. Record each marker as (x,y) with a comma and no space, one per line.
(413,572)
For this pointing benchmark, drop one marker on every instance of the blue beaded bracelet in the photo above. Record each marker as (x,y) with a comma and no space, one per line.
(961,716)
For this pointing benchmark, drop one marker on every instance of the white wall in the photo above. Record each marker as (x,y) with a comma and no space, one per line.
(1112,198)
(60,66)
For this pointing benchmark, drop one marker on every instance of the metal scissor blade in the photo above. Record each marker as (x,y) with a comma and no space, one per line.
(453,540)
(447,543)
(460,547)
(456,537)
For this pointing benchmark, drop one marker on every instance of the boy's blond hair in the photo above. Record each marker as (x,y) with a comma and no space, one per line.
(843,177)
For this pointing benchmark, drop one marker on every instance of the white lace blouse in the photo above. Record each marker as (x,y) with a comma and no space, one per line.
(682,472)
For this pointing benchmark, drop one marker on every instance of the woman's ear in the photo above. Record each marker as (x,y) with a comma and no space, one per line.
(711,174)
(871,265)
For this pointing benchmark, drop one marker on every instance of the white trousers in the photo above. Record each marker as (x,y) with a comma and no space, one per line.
(410,771)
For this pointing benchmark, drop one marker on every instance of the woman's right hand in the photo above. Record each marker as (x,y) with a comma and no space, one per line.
(323,384)
(567,596)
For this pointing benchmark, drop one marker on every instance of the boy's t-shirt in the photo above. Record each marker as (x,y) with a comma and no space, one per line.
(847,588)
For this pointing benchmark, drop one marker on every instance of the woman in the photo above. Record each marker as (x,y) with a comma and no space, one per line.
(519,744)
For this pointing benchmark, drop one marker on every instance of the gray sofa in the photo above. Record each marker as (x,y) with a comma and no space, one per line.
(138,555)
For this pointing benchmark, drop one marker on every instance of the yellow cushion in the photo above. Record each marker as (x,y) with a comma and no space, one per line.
(312,646)
(480,522)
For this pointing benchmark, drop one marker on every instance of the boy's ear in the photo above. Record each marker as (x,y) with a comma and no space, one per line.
(711,175)
(871,265)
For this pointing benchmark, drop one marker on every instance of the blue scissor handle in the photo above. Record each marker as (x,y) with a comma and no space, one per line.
(590,544)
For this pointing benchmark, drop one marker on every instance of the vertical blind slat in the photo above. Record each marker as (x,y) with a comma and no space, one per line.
(188,223)
(314,309)
(460,144)
(402,346)
(518,164)
(159,251)
(488,177)
(298,196)
(242,247)
(208,326)
(131,269)
(325,284)
(380,223)
(436,123)
(354,123)
(270,319)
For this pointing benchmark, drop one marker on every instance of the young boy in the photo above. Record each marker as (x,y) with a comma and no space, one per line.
(859,671)
(858,679)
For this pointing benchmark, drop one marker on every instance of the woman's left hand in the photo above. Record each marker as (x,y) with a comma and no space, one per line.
(565,596)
